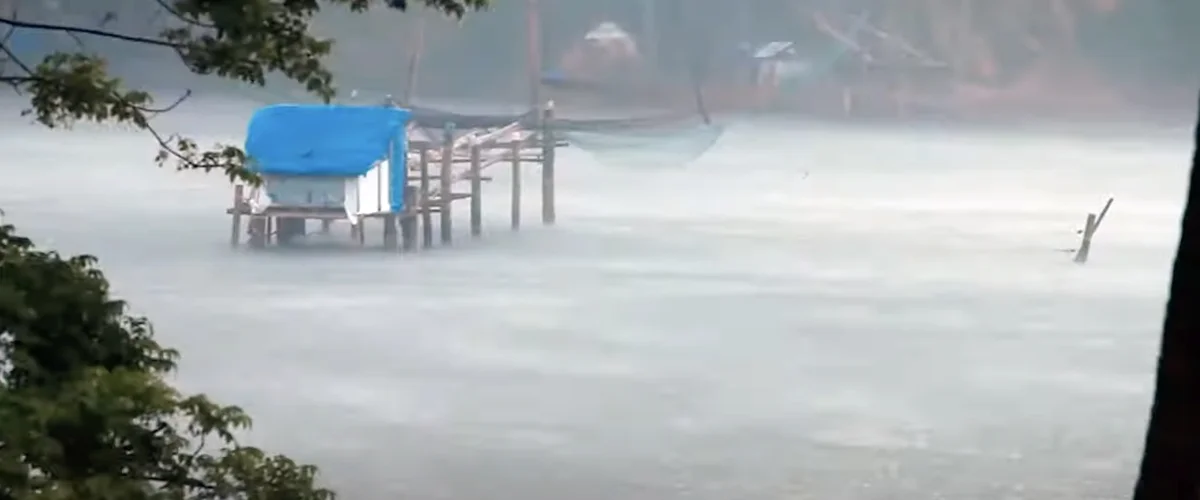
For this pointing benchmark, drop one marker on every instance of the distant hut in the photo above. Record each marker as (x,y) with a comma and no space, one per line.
(606,51)
(779,64)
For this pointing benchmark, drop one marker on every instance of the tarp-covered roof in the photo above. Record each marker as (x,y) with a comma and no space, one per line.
(317,139)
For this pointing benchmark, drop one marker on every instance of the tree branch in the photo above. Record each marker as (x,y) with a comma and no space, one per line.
(15,81)
(179,15)
(88,31)
(183,97)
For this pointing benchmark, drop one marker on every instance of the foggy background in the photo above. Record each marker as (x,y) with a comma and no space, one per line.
(1142,51)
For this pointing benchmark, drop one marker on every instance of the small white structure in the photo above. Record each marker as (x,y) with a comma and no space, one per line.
(779,62)
(323,158)
(610,37)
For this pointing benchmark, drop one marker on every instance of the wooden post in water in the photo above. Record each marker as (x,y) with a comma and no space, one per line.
(397,167)
(288,229)
(235,227)
(446,181)
(408,219)
(422,203)
(549,142)
(1085,246)
(390,240)
(258,231)
(1089,230)
(533,62)
(476,189)
(516,185)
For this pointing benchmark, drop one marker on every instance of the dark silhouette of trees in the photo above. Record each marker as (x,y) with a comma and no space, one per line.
(1171,460)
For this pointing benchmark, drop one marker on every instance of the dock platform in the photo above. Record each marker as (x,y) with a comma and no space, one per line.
(440,167)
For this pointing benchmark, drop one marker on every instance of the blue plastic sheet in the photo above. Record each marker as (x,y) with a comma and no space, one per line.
(326,140)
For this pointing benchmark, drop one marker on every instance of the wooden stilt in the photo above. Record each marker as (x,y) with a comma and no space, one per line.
(1085,246)
(390,242)
(1089,231)
(411,226)
(516,185)
(423,204)
(235,227)
(288,229)
(258,232)
(548,149)
(445,181)
(476,190)
(408,220)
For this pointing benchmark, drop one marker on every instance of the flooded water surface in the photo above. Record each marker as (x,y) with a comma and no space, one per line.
(800,313)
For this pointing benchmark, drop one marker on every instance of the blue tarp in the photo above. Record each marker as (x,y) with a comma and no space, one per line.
(329,141)
(318,139)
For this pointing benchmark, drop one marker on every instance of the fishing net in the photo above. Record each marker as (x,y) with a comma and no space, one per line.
(620,142)
(648,145)
(660,137)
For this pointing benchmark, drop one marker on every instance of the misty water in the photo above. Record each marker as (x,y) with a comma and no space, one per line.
(803,312)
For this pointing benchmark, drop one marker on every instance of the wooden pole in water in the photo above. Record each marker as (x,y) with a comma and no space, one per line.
(516,185)
(549,142)
(258,231)
(476,190)
(414,62)
(288,228)
(446,181)
(422,205)
(1085,246)
(235,227)
(390,238)
(408,219)
(533,63)
(1089,231)
(390,221)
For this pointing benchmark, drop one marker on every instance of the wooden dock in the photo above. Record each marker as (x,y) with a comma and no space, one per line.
(439,171)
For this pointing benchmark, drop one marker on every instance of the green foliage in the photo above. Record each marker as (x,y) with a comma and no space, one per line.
(85,411)
(244,40)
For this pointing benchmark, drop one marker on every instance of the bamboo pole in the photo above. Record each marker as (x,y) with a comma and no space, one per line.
(414,62)
(548,152)
(534,51)
(516,186)
(408,219)
(1089,231)
(423,205)
(235,226)
(476,181)
(445,181)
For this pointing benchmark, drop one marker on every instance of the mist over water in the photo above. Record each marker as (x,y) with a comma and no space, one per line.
(804,312)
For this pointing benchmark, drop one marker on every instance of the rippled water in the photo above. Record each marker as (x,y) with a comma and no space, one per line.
(801,313)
